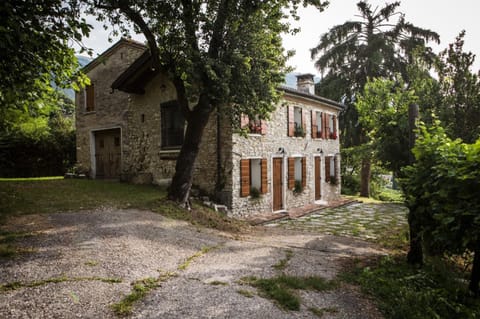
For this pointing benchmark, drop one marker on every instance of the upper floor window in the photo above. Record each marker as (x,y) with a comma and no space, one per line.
(324,125)
(254,125)
(90,98)
(173,124)
(253,176)
(296,121)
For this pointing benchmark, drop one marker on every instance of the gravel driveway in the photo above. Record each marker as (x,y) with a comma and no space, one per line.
(81,263)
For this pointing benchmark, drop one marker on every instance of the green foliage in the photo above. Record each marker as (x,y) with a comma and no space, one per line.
(139,290)
(383,113)
(254,193)
(459,110)
(298,187)
(441,190)
(282,288)
(35,53)
(404,291)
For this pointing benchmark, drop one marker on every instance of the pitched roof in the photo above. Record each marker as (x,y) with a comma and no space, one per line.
(139,73)
(314,97)
(111,50)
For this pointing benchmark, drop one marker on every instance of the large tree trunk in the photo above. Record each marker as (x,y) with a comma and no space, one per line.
(415,254)
(179,190)
(475,276)
(365,177)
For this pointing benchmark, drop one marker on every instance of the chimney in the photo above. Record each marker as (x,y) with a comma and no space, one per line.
(305,83)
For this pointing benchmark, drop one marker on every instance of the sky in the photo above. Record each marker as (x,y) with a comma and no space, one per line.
(446,17)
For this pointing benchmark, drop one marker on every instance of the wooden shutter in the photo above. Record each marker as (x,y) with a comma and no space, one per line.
(327,126)
(264,187)
(336,172)
(327,168)
(304,121)
(314,124)
(291,121)
(291,172)
(244,121)
(335,126)
(244,177)
(263,127)
(90,92)
(322,134)
(304,172)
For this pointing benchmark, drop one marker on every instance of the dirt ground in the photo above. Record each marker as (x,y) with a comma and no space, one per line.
(79,264)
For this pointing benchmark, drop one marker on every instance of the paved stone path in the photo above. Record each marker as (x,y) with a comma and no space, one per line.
(361,220)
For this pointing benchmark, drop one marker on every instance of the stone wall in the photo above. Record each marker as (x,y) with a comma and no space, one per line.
(267,146)
(110,107)
(144,158)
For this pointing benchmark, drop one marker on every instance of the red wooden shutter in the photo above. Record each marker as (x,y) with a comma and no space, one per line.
(323,125)
(327,126)
(291,121)
(264,186)
(304,172)
(327,168)
(90,92)
(244,177)
(244,121)
(314,124)
(291,173)
(263,127)
(335,126)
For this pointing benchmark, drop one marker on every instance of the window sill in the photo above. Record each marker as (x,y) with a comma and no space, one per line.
(171,154)
(89,112)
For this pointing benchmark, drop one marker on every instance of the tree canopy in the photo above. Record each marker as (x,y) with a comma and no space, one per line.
(218,54)
(379,44)
(35,53)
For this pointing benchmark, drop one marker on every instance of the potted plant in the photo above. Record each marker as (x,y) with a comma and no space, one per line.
(254,193)
(298,187)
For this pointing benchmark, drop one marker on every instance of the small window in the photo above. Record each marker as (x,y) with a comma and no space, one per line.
(89,98)
(173,124)
(297,174)
(253,175)
(331,173)
(254,126)
(317,124)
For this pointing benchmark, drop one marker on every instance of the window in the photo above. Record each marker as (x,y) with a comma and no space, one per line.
(297,172)
(253,174)
(89,98)
(173,124)
(331,172)
(296,121)
(324,125)
(254,126)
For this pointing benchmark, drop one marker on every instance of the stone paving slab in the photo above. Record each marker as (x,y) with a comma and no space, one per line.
(361,220)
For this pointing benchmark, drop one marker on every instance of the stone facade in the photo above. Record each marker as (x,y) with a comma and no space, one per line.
(267,146)
(217,170)
(110,110)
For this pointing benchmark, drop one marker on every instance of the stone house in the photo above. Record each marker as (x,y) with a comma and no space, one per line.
(129,128)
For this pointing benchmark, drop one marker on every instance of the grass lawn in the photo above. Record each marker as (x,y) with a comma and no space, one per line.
(52,195)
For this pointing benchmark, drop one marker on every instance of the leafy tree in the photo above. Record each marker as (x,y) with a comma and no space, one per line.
(221,55)
(378,45)
(35,38)
(459,109)
(441,190)
(383,110)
